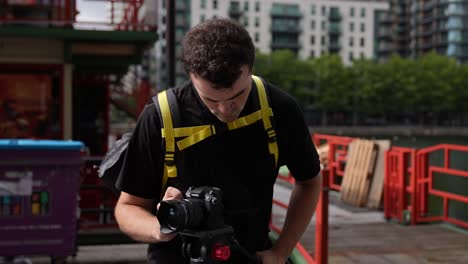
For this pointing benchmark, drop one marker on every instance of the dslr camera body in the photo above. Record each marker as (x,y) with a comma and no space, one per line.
(200,210)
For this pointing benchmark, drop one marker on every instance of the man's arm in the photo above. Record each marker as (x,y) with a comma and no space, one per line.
(302,205)
(135,219)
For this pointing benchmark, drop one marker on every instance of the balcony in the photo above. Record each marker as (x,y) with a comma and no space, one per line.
(181,6)
(334,29)
(385,18)
(235,11)
(334,15)
(385,47)
(285,11)
(285,28)
(428,6)
(285,45)
(384,33)
(334,47)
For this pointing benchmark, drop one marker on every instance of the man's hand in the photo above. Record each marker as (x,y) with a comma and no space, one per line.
(170,194)
(271,257)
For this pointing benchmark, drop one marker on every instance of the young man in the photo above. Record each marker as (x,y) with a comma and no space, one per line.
(218,56)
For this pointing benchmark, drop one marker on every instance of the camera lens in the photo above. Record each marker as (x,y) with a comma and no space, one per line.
(176,216)
(172,216)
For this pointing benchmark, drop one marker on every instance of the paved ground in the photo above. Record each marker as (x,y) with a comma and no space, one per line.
(356,235)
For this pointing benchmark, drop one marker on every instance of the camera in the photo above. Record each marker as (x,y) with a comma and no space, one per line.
(201,209)
(198,218)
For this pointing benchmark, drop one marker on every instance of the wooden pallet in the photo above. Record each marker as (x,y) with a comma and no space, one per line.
(358,172)
(377,185)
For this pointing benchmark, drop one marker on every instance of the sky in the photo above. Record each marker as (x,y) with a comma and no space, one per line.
(95,11)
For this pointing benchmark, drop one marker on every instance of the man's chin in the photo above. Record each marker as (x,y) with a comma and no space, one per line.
(226,119)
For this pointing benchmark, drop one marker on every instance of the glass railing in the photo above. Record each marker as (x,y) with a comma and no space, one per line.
(285,10)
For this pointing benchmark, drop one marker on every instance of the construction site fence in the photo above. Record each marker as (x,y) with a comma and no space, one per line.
(410,182)
(409,179)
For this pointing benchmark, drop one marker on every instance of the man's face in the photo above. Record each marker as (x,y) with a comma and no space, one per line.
(226,103)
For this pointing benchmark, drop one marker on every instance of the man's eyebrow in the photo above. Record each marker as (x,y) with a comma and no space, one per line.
(233,97)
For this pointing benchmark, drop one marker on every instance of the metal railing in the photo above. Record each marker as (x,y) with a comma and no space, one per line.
(119,15)
(320,255)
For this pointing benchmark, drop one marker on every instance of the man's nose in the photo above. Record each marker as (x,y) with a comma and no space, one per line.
(225,107)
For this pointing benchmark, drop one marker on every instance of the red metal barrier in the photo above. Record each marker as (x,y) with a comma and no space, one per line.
(399,182)
(321,225)
(97,202)
(425,184)
(337,153)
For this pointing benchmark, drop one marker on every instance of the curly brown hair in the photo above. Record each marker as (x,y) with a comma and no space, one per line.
(216,50)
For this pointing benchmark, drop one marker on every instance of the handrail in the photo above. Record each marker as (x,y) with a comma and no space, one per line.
(321,226)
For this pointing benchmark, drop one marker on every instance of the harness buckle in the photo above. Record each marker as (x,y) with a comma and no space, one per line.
(169,158)
(271,135)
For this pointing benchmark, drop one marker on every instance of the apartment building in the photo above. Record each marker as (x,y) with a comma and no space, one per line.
(413,28)
(308,28)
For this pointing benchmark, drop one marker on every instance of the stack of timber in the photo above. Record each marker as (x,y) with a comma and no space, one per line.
(359,186)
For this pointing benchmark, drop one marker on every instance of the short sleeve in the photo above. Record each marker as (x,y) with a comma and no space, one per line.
(296,149)
(141,173)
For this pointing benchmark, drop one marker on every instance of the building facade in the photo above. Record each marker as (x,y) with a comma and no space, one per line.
(308,28)
(413,28)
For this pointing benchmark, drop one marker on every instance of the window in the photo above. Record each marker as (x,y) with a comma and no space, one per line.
(322,40)
(351,27)
(363,42)
(312,54)
(312,9)
(351,12)
(257,6)
(351,41)
(312,24)
(246,21)
(362,55)
(323,25)
(351,56)
(363,27)
(257,37)
(215,4)
(324,10)
(246,6)
(202,4)
(164,19)
(363,12)
(202,18)
(257,22)
(312,40)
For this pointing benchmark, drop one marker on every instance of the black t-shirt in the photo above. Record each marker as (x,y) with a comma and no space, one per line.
(238,161)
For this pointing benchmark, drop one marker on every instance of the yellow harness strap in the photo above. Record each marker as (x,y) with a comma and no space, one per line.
(170,169)
(266,114)
(196,134)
